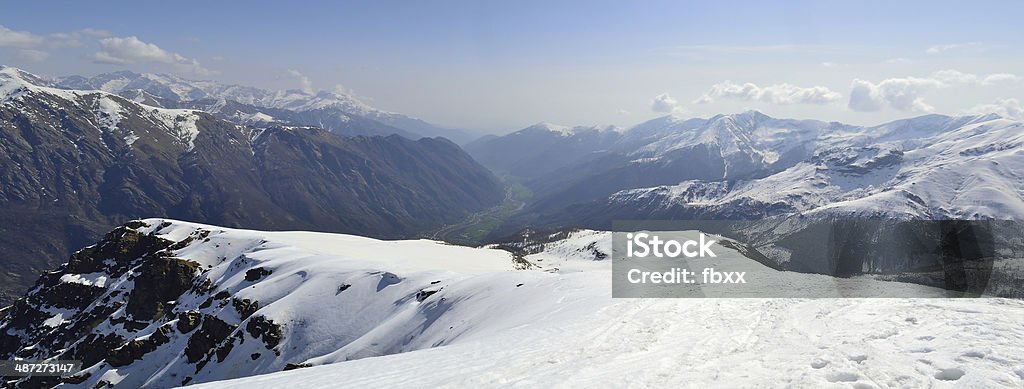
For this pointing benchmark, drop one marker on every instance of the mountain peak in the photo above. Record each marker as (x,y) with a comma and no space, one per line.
(551,127)
(745,116)
(13,73)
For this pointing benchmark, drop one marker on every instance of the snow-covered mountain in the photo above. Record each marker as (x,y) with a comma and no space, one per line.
(160,303)
(329,109)
(75,163)
(749,165)
(931,167)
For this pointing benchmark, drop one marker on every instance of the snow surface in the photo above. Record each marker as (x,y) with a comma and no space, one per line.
(487,324)
(91,279)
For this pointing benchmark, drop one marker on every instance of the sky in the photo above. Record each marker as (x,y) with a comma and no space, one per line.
(501,66)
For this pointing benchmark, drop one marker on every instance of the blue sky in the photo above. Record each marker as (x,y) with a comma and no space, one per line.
(501,66)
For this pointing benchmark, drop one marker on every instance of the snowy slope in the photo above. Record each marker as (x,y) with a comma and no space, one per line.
(358,312)
(928,167)
(563,329)
(714,343)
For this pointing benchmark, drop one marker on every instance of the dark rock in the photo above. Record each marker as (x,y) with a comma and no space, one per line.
(160,280)
(262,328)
(293,366)
(188,321)
(245,307)
(205,341)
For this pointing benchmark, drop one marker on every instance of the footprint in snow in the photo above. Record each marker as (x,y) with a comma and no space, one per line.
(842,376)
(818,364)
(858,358)
(950,374)
(973,354)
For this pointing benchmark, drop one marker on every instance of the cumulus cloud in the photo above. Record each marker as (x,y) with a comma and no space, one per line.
(132,50)
(19,39)
(773,94)
(1007,108)
(74,38)
(939,49)
(905,94)
(1000,78)
(899,93)
(664,103)
(31,47)
(343,90)
(31,55)
(304,82)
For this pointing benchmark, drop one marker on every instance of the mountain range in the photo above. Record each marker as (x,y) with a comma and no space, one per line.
(334,111)
(752,166)
(96,170)
(74,163)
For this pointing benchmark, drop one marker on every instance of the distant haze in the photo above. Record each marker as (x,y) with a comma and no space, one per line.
(500,67)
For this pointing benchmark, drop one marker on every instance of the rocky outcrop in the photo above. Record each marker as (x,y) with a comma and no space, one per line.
(117,301)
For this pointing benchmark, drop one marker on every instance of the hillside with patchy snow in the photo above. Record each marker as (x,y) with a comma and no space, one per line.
(75,163)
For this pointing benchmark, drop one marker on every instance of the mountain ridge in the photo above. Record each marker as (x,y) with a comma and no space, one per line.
(642,172)
(74,163)
(173,91)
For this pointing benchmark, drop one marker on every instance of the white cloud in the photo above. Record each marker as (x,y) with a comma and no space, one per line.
(29,41)
(939,49)
(664,103)
(1008,108)
(132,50)
(344,90)
(304,82)
(19,39)
(950,76)
(74,38)
(899,93)
(904,94)
(773,94)
(1000,78)
(31,55)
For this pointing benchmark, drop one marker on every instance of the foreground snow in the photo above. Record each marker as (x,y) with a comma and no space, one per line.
(718,343)
(557,325)
(164,303)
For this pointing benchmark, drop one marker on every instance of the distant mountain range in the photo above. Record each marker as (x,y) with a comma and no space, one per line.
(751,166)
(74,163)
(337,112)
